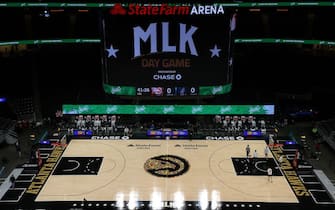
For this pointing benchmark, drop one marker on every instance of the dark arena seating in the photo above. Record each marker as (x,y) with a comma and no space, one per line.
(167,105)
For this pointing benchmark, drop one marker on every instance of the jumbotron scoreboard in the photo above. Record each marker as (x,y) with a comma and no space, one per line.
(161,50)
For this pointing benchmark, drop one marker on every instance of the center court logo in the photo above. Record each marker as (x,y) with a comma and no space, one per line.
(166,166)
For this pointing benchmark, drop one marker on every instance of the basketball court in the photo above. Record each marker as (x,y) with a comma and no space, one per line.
(146,170)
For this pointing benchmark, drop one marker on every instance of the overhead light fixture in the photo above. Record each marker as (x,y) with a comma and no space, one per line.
(203,199)
(3,99)
(120,200)
(56,10)
(156,200)
(215,199)
(282,10)
(45,13)
(254,10)
(178,200)
(133,200)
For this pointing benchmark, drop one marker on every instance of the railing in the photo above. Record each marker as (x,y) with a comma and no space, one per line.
(2,169)
(328,185)
(326,134)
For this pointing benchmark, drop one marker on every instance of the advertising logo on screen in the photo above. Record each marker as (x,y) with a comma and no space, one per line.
(135,9)
(157,91)
(165,9)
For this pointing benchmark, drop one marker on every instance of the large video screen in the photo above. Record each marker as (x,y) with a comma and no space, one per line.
(166,50)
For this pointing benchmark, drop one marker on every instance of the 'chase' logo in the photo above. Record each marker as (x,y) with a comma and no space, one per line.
(166,166)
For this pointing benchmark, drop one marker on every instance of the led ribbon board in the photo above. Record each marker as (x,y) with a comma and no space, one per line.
(170,109)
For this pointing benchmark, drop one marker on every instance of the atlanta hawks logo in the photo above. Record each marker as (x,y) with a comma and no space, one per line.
(166,166)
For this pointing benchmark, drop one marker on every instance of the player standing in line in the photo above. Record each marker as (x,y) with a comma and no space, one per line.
(255,154)
(266,151)
(247,150)
(269,174)
(280,160)
(271,141)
